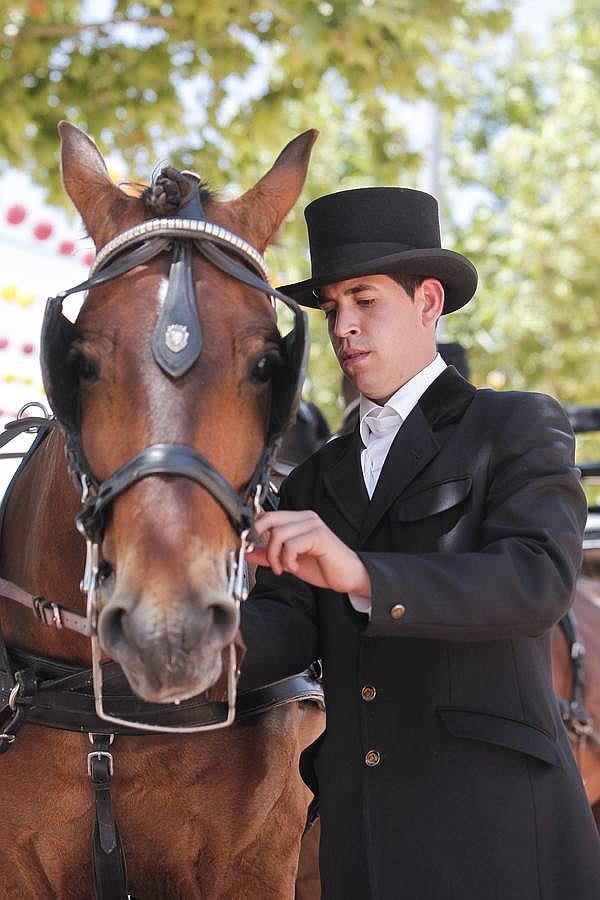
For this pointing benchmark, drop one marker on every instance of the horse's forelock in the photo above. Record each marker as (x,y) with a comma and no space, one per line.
(169,190)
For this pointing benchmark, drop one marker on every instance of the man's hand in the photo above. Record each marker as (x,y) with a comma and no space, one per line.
(297,541)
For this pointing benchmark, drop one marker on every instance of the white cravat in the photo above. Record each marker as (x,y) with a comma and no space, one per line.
(379,425)
(378,430)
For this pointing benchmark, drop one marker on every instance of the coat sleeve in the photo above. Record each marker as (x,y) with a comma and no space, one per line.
(518,581)
(279,624)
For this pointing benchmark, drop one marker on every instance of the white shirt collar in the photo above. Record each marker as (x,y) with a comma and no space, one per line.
(406,397)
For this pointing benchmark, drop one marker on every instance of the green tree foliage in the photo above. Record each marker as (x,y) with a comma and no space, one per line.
(221,87)
(160,77)
(527,148)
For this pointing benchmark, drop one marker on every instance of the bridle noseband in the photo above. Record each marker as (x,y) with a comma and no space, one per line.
(176,345)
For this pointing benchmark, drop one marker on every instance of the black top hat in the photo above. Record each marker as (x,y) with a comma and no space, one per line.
(380,230)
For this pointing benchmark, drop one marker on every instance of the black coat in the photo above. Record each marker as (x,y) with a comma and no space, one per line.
(445,771)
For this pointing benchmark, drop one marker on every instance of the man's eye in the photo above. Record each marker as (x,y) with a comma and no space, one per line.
(328,313)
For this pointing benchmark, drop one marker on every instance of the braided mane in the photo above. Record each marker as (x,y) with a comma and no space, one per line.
(169,191)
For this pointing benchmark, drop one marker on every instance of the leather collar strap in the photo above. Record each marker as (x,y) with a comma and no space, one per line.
(61,696)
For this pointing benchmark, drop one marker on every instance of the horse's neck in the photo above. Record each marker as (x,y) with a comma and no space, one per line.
(41,551)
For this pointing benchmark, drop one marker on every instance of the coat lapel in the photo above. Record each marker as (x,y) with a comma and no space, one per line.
(344,484)
(414,446)
(417,443)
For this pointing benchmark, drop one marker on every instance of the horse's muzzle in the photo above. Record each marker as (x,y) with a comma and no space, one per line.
(168,651)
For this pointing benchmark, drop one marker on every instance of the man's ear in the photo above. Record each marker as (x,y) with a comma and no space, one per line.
(433,300)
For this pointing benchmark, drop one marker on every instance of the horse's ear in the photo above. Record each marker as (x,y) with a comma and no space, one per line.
(267,204)
(99,201)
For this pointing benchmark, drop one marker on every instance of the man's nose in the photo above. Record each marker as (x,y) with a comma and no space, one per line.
(345,323)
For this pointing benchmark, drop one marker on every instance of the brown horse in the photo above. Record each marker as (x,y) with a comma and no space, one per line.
(165,429)
(586,609)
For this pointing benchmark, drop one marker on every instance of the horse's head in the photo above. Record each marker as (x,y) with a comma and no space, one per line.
(165,612)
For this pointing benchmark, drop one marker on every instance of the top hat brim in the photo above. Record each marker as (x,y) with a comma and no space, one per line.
(456,273)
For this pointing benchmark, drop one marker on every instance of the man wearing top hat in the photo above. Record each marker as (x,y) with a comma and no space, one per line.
(425,558)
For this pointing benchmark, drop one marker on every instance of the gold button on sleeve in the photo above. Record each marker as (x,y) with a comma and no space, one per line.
(397,611)
(368,693)
(372,758)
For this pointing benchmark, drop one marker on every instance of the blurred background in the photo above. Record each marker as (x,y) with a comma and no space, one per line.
(492,106)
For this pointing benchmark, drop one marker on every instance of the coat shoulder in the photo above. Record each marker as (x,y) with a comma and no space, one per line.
(520,406)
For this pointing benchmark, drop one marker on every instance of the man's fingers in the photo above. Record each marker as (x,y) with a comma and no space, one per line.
(283,539)
(266,521)
(300,544)
(258,556)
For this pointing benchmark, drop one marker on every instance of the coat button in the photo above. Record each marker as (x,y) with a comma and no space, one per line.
(372,758)
(368,693)
(397,611)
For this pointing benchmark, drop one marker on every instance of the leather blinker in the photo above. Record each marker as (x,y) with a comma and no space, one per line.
(59,371)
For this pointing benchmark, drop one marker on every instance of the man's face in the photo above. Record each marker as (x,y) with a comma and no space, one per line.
(380,335)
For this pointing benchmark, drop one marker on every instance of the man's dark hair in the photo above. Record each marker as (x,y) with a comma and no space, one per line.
(408,282)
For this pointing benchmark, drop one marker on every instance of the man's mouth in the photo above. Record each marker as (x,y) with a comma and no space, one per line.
(350,357)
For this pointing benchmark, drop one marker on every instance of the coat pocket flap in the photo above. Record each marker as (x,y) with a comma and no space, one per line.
(433,500)
(511,733)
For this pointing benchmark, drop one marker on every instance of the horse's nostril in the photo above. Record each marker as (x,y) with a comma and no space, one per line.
(110,626)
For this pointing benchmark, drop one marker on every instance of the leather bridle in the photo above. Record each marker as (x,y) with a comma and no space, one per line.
(232,255)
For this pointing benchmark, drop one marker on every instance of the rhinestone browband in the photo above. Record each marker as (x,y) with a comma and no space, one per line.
(173,228)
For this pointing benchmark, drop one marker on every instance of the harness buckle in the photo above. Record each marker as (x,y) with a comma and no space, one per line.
(580,720)
(100,739)
(100,754)
(12,697)
(9,738)
(47,612)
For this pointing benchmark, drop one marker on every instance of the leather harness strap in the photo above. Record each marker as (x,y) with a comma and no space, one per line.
(577,719)
(47,611)
(58,695)
(108,857)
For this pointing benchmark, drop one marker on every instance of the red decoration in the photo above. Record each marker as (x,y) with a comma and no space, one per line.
(3,343)
(43,230)
(66,248)
(27,348)
(89,257)
(37,9)
(16,214)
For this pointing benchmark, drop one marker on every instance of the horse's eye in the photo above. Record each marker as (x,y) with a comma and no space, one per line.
(266,367)
(85,368)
